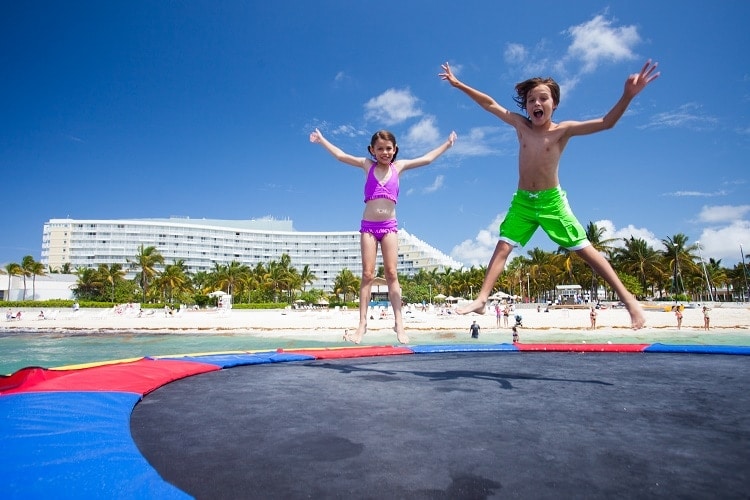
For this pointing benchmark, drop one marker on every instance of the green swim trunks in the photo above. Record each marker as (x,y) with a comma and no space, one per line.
(549,209)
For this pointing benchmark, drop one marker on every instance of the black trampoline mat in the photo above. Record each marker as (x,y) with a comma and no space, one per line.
(459,425)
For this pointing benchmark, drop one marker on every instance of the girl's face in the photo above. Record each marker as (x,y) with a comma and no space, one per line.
(383,151)
(540,105)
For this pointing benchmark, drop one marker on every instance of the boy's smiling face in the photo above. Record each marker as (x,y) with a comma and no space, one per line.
(540,105)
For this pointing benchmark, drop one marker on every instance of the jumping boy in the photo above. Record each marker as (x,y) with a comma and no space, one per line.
(539,200)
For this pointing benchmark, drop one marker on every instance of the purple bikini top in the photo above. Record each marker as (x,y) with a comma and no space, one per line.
(374,189)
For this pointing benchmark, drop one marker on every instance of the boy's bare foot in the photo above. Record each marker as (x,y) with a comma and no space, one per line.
(478,306)
(356,337)
(637,320)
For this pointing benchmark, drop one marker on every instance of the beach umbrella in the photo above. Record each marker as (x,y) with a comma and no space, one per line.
(217,293)
(322,302)
(440,296)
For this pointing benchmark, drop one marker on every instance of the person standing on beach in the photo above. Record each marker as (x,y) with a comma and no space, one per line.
(706,318)
(379,224)
(474,329)
(539,200)
(592,318)
(678,315)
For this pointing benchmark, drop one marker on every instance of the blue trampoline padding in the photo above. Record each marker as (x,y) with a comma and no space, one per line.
(699,349)
(74,445)
(425,349)
(230,360)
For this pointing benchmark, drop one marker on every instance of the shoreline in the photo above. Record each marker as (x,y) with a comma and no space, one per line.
(328,325)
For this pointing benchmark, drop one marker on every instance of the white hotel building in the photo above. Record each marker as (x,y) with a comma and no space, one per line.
(202,243)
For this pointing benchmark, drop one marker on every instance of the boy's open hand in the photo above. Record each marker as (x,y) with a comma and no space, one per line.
(637,82)
(448,75)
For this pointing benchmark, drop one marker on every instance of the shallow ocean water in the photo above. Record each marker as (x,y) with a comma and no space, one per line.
(19,349)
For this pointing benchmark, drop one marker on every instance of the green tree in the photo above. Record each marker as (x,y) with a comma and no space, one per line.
(307,277)
(12,269)
(110,275)
(638,259)
(345,283)
(174,281)
(146,261)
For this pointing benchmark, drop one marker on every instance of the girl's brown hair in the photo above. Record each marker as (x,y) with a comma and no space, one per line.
(386,136)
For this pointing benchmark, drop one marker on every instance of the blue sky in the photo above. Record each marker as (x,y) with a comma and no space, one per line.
(203,109)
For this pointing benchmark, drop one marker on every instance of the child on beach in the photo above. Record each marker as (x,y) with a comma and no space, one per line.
(379,224)
(539,200)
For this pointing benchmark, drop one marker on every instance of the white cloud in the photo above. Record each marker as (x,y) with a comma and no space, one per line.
(436,184)
(723,213)
(392,106)
(346,131)
(611,232)
(687,116)
(515,53)
(724,242)
(597,40)
(423,133)
(477,252)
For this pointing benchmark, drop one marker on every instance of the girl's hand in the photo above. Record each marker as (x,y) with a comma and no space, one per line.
(452,138)
(315,136)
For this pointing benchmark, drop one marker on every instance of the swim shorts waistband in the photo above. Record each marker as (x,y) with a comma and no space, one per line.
(544,193)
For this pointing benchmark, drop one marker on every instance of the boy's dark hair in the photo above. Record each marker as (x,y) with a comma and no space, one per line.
(523,88)
(386,136)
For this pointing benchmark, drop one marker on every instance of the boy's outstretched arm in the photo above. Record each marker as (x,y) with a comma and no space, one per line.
(634,84)
(484,100)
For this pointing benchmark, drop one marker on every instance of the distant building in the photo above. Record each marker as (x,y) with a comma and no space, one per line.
(48,287)
(202,243)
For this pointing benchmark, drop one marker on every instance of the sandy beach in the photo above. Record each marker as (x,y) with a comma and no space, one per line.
(433,324)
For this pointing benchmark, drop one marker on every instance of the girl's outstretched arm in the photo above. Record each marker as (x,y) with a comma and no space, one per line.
(428,158)
(336,152)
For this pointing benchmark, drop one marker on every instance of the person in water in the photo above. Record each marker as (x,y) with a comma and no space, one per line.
(379,224)
(540,200)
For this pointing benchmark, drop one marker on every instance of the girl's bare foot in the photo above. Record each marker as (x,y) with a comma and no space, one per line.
(478,306)
(356,337)
(401,335)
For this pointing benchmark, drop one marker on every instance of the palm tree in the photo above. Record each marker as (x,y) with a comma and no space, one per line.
(13,269)
(88,284)
(36,269)
(111,275)
(174,280)
(146,260)
(345,283)
(27,263)
(595,235)
(683,259)
(307,277)
(638,259)
(275,278)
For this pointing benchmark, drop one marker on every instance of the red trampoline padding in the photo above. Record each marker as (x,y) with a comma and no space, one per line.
(26,377)
(582,347)
(351,352)
(140,377)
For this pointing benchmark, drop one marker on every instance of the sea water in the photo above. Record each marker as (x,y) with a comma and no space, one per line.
(20,349)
